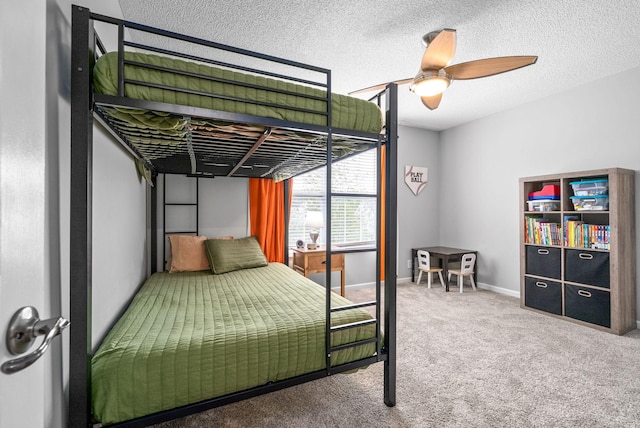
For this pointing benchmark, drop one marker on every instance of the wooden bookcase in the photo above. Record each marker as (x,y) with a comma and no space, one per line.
(592,280)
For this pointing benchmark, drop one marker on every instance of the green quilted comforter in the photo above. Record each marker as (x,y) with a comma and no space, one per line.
(347,112)
(187,337)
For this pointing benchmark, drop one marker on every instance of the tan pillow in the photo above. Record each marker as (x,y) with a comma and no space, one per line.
(188,253)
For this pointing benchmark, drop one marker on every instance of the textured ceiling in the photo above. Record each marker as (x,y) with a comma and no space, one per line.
(366,42)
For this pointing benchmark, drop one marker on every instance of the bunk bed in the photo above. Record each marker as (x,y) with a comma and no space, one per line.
(180,112)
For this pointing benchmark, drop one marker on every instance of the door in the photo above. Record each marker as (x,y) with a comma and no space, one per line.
(27,256)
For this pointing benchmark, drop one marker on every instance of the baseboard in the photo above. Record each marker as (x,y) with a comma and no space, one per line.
(356,286)
(371,284)
(488,287)
(499,290)
(516,294)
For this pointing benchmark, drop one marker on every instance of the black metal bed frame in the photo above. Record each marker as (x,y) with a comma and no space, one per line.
(86,105)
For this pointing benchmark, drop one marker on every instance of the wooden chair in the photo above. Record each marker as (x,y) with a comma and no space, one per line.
(467,265)
(424,265)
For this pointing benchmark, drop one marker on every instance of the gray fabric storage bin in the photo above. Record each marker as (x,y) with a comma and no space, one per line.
(587,304)
(587,267)
(543,261)
(543,295)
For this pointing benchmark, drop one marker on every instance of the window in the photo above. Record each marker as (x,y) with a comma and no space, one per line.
(353,219)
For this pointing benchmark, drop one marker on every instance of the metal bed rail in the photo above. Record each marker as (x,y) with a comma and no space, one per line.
(244,55)
(124,25)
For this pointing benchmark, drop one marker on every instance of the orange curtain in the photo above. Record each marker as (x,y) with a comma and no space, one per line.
(266,216)
(383,195)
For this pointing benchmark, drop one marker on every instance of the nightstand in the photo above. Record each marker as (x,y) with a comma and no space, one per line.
(307,262)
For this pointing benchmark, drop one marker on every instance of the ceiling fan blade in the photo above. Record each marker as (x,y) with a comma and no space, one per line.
(440,50)
(381,86)
(488,67)
(432,102)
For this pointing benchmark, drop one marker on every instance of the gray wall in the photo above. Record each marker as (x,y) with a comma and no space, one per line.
(590,127)
(119,232)
(418,216)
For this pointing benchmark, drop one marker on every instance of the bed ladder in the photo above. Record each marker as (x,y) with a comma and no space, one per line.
(330,348)
(167,206)
(355,324)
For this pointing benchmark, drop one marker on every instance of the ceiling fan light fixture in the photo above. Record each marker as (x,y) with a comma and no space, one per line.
(430,82)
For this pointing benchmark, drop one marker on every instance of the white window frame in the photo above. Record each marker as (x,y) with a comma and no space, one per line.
(353,180)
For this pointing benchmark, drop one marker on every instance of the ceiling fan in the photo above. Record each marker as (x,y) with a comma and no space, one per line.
(436,75)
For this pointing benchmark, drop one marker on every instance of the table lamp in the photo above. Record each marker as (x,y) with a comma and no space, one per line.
(313,221)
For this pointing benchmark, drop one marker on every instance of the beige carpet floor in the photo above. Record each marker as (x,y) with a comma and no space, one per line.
(465,360)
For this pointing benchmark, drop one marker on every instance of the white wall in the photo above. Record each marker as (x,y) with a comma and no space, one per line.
(119,232)
(418,216)
(590,127)
(223,207)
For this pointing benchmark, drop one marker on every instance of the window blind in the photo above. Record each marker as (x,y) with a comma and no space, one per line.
(353,217)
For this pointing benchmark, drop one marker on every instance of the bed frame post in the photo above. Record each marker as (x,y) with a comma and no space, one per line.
(80,216)
(287,190)
(153,223)
(391,222)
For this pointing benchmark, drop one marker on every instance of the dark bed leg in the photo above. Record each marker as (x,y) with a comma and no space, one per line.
(153,220)
(391,221)
(82,50)
(287,189)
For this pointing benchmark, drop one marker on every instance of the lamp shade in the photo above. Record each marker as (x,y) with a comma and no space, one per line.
(314,220)
(430,82)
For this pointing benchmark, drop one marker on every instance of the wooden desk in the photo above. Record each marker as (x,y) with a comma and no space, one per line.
(444,256)
(307,262)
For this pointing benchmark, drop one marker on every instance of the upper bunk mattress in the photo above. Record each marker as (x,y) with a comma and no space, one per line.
(347,112)
(187,337)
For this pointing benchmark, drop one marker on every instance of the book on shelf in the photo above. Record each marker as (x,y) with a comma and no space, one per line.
(578,234)
(542,231)
(574,233)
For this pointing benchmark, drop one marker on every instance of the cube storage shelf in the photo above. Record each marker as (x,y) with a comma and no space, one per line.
(577,261)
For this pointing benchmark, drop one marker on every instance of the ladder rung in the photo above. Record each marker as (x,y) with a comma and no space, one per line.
(354,344)
(353,306)
(353,325)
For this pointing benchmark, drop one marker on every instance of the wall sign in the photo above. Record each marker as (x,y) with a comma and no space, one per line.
(415,177)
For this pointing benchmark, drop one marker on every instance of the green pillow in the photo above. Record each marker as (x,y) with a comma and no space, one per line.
(227,255)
